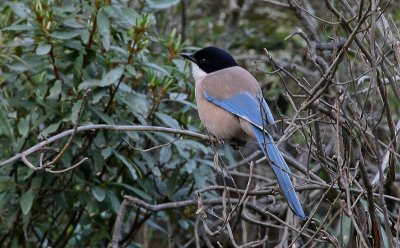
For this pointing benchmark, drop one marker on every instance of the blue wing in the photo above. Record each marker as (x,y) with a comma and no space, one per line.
(246,106)
(257,112)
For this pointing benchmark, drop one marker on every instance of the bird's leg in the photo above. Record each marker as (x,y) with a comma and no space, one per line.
(213,141)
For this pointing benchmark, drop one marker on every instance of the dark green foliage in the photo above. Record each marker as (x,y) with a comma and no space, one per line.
(51,54)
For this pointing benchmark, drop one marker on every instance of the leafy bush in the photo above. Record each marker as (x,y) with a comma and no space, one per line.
(51,55)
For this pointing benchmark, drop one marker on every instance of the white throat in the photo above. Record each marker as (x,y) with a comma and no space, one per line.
(197,73)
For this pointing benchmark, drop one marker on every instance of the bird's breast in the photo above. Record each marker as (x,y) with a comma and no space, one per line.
(216,120)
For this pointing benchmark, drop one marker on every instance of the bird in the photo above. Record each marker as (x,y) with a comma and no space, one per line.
(231,107)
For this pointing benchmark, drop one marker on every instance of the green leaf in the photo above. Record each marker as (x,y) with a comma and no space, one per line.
(168,120)
(112,76)
(129,16)
(165,154)
(55,91)
(182,98)
(3,78)
(26,201)
(98,193)
(92,207)
(346,228)
(75,111)
(115,203)
(156,171)
(85,35)
(19,27)
(106,152)
(91,83)
(5,125)
(67,34)
(190,166)
(201,174)
(131,70)
(98,95)
(74,23)
(162,4)
(23,126)
(157,68)
(107,119)
(127,163)
(133,135)
(126,16)
(103,25)
(138,104)
(180,146)
(191,144)
(43,49)
(33,64)
(20,9)
(172,184)
(150,160)
(67,8)
(50,129)
(113,12)
(25,223)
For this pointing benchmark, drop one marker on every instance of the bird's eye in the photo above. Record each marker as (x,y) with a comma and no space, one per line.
(203,61)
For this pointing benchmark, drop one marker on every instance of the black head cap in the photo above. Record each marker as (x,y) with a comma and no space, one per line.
(211,59)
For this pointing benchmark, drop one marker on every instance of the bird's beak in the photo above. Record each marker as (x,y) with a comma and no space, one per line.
(188,56)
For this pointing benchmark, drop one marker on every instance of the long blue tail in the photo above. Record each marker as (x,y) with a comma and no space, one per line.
(271,151)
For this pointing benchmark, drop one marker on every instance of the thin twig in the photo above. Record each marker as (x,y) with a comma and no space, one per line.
(67,169)
(152,148)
